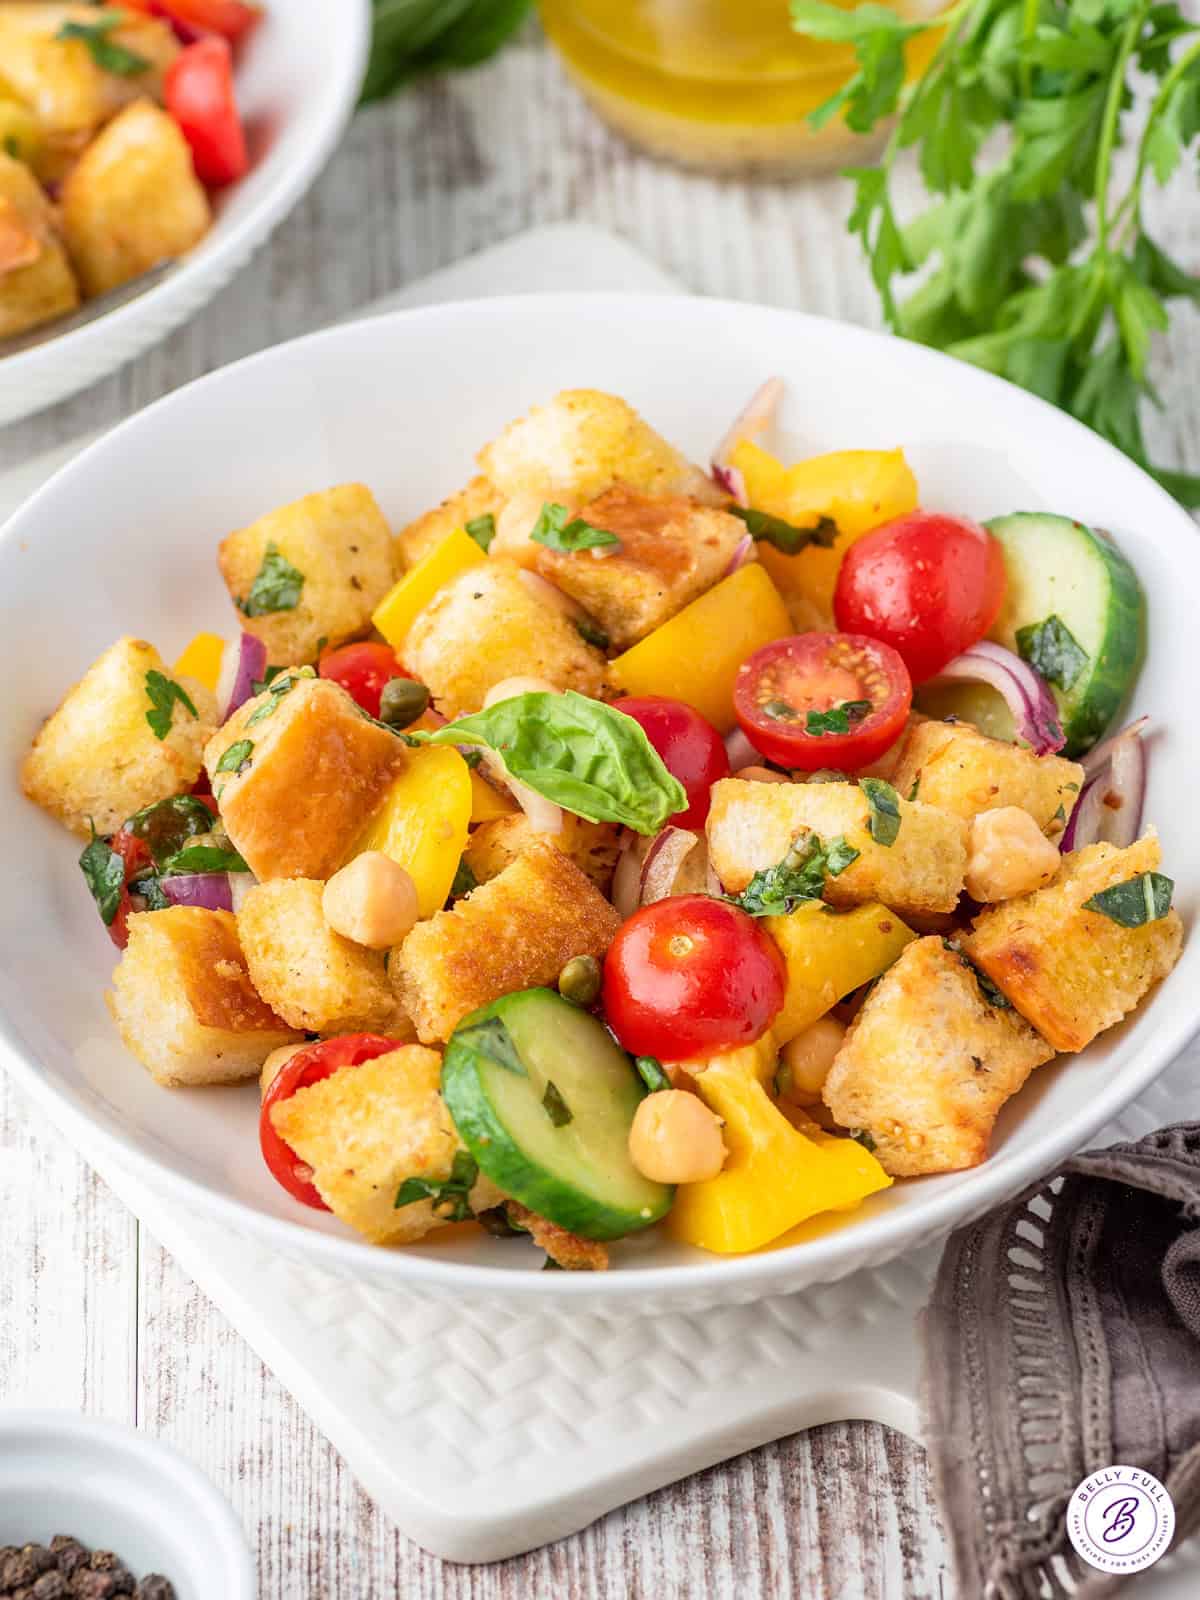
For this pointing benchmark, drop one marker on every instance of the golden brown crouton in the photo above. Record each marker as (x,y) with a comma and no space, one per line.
(365,1130)
(100,758)
(513,933)
(928,1062)
(751,825)
(566,1250)
(297,775)
(487,625)
(479,498)
(36,281)
(1071,971)
(954,766)
(132,199)
(183,1001)
(310,975)
(333,552)
(592,846)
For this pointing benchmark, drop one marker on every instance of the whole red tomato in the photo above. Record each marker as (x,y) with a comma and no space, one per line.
(691,975)
(690,747)
(362,670)
(927,584)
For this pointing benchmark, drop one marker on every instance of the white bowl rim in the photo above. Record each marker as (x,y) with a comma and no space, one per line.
(997,1179)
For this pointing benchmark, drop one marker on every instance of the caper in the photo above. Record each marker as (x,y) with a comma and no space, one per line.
(403,700)
(579,980)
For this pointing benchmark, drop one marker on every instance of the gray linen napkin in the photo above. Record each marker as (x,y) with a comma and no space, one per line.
(1062,1337)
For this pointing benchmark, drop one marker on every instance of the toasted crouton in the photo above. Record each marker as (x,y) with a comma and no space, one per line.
(751,826)
(487,625)
(99,759)
(928,1062)
(339,552)
(592,846)
(1071,971)
(310,975)
(298,772)
(366,1130)
(954,766)
(183,1001)
(36,281)
(480,498)
(567,1250)
(515,932)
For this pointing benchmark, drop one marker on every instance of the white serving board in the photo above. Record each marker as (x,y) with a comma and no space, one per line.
(483,1435)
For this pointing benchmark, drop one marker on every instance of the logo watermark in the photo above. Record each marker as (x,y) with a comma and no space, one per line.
(1121,1519)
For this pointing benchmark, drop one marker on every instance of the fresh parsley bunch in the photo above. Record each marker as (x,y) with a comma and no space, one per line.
(1035,264)
(416,36)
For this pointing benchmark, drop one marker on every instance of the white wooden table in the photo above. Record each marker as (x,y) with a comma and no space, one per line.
(93,1313)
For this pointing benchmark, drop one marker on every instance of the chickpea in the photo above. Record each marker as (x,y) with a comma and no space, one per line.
(1008,855)
(805,1061)
(509,688)
(675,1138)
(762,775)
(275,1062)
(372,900)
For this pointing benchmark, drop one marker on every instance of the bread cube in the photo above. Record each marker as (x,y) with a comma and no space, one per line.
(310,975)
(132,200)
(928,1062)
(479,498)
(308,773)
(488,624)
(184,1004)
(98,758)
(1071,971)
(339,550)
(953,765)
(592,846)
(365,1130)
(515,932)
(36,281)
(751,825)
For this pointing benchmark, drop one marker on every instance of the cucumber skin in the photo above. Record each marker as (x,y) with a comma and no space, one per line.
(501,1159)
(1086,717)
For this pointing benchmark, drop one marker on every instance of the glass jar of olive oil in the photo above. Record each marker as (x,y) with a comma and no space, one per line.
(724,85)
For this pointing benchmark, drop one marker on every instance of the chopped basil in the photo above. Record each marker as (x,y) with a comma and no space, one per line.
(279,686)
(493,1040)
(1052,650)
(555,1107)
(884,804)
(276,587)
(104,873)
(165,824)
(801,875)
(916,784)
(785,536)
(495,1221)
(1139,900)
(473,758)
(863,1137)
(237,758)
(783,1081)
(482,530)
(164,692)
(993,995)
(837,719)
(150,890)
(105,52)
(650,1071)
(203,858)
(451,1196)
(592,633)
(1060,815)
(464,881)
(558,530)
(268,678)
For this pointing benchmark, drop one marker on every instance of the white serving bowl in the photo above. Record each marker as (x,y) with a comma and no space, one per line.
(298,79)
(124,540)
(115,1489)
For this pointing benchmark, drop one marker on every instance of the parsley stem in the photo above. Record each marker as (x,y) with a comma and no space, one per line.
(1110,125)
(1132,201)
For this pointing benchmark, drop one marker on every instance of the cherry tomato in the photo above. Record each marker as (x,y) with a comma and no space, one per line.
(230,18)
(929,585)
(135,853)
(690,975)
(823,700)
(311,1065)
(198,89)
(691,749)
(362,670)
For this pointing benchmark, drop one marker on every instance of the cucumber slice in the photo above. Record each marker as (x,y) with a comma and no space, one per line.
(543,1097)
(1057,567)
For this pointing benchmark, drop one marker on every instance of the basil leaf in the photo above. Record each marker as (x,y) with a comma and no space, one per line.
(650,1071)
(237,758)
(104,874)
(785,536)
(163,693)
(558,530)
(592,633)
(411,37)
(884,804)
(151,892)
(555,1107)
(165,824)
(279,685)
(801,875)
(1052,650)
(583,755)
(863,1137)
(464,881)
(1139,900)
(837,719)
(482,530)
(451,1196)
(203,858)
(277,586)
(268,678)
(105,52)
(489,1037)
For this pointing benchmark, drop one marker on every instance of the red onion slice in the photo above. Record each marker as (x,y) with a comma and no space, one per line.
(627,876)
(740,751)
(663,871)
(1024,692)
(240,885)
(544,816)
(239,673)
(210,890)
(754,418)
(743,552)
(733,481)
(1110,806)
(1099,756)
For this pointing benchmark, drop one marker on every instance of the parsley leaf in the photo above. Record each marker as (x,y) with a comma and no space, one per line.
(451,1196)
(489,1037)
(801,875)
(558,530)
(163,693)
(785,536)
(108,55)
(104,874)
(555,1107)
(884,810)
(1139,900)
(836,719)
(650,1071)
(276,587)
(237,758)
(1052,650)
(483,530)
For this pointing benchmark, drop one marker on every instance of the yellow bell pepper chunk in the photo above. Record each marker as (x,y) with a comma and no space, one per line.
(774,1177)
(422,823)
(695,656)
(202,660)
(399,608)
(830,953)
(488,803)
(858,489)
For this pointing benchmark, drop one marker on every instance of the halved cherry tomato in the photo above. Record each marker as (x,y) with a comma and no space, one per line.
(198,89)
(230,18)
(135,853)
(362,670)
(793,696)
(690,975)
(691,749)
(311,1065)
(929,585)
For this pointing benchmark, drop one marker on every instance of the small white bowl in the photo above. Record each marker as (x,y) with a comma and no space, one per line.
(115,1489)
